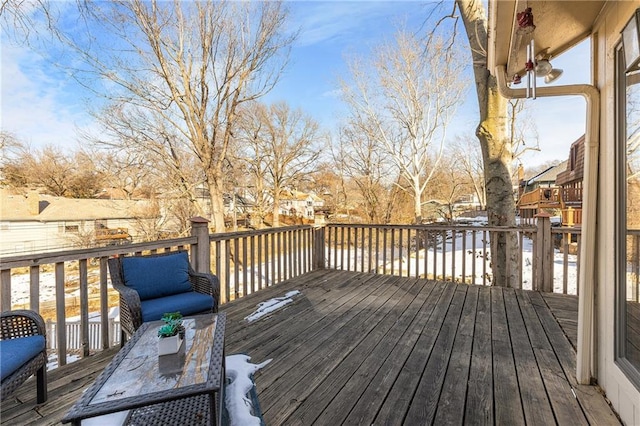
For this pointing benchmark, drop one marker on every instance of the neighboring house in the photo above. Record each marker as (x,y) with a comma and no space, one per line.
(238,204)
(540,193)
(299,204)
(570,183)
(466,203)
(608,345)
(37,223)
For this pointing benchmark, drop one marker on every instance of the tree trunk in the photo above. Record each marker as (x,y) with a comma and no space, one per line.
(216,195)
(496,148)
(276,212)
(417,204)
(501,207)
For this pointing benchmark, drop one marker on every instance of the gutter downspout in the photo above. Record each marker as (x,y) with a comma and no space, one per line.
(586,280)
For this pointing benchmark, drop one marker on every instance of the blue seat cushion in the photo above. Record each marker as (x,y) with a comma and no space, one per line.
(189,303)
(14,353)
(160,276)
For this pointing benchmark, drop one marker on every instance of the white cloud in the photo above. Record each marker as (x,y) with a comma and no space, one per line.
(36,104)
(327,21)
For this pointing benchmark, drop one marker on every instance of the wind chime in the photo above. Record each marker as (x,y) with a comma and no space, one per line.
(526,28)
(536,65)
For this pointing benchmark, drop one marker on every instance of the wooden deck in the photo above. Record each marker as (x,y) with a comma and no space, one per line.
(367,349)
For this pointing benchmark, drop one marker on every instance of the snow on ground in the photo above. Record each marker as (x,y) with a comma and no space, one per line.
(447,263)
(52,360)
(239,384)
(272,305)
(20,286)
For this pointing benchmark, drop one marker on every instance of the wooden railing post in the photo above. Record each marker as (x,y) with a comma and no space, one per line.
(201,255)
(543,262)
(318,248)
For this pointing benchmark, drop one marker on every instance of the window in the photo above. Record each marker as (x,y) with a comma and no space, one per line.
(628,220)
(71,228)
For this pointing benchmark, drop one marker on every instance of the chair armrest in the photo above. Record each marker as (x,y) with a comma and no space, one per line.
(207,284)
(131,300)
(21,323)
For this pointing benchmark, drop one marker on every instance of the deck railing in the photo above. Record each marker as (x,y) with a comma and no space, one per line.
(571,216)
(75,283)
(546,259)
(541,196)
(249,261)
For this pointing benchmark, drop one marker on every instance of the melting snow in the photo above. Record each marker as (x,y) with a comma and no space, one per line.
(239,406)
(271,305)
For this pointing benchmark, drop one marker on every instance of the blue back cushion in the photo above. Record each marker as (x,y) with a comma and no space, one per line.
(160,276)
(16,352)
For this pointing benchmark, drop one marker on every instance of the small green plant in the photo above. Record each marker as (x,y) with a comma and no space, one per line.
(172,324)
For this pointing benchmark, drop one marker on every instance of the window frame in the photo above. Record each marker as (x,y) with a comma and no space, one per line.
(631,371)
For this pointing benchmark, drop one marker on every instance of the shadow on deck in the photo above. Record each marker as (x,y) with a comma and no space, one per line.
(358,348)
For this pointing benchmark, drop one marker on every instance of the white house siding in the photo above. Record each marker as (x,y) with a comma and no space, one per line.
(25,237)
(624,396)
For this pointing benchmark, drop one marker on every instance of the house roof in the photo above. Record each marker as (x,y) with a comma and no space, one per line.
(299,196)
(47,208)
(549,175)
(575,165)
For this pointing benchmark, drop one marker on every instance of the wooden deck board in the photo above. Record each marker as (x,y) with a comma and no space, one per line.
(450,407)
(395,406)
(366,408)
(535,404)
(425,400)
(479,404)
(505,379)
(357,348)
(359,366)
(565,410)
(331,348)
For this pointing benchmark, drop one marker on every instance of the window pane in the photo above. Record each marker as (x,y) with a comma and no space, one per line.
(631,188)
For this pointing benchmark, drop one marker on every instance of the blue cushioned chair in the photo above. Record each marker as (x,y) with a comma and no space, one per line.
(154,284)
(23,352)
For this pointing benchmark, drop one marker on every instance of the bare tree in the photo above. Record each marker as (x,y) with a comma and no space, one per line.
(126,172)
(522,132)
(468,160)
(150,223)
(16,17)
(450,184)
(8,141)
(55,172)
(408,94)
(360,160)
(254,160)
(175,74)
(281,146)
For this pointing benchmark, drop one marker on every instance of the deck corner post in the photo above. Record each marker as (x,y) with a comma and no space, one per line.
(201,253)
(318,248)
(543,262)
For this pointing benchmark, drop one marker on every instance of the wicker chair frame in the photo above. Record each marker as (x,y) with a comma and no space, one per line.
(130,307)
(23,323)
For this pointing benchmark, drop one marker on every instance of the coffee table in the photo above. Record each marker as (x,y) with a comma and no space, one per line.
(186,388)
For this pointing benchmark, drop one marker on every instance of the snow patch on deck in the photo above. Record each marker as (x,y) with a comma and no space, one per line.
(271,305)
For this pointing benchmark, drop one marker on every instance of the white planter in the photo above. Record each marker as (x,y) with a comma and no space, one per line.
(169,345)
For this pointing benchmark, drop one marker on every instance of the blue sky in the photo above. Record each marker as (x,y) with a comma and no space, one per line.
(42,106)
